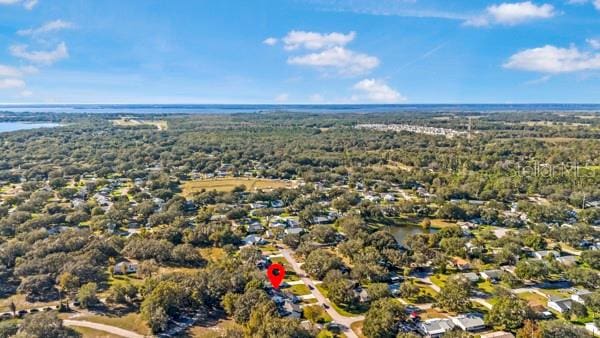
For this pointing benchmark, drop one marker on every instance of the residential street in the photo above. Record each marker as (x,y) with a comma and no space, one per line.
(338,318)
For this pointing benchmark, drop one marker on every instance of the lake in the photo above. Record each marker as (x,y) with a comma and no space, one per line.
(401,233)
(14,126)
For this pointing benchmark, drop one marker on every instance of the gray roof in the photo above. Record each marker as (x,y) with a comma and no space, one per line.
(469,321)
(436,326)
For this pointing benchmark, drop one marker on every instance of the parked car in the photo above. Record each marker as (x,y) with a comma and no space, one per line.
(325,306)
(34,310)
(21,313)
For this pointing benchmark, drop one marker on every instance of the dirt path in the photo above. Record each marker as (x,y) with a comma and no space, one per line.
(102,327)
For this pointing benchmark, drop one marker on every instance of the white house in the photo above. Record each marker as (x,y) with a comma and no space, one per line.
(581,296)
(253,240)
(560,305)
(567,260)
(545,253)
(593,329)
(493,275)
(124,268)
(469,322)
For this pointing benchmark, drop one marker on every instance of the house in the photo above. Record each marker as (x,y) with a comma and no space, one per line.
(389,198)
(363,295)
(435,327)
(498,334)
(492,275)
(560,305)
(291,310)
(541,312)
(568,260)
(469,322)
(581,296)
(593,328)
(545,253)
(253,240)
(255,227)
(277,204)
(471,277)
(461,264)
(258,205)
(294,231)
(124,268)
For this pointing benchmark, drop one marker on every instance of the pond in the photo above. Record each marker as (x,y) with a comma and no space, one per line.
(14,126)
(401,233)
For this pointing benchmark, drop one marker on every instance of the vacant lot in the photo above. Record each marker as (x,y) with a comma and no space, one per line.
(227,184)
(125,122)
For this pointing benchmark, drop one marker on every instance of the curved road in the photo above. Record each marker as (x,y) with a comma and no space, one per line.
(338,318)
(101,327)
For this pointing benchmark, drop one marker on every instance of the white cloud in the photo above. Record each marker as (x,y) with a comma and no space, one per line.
(28,4)
(512,14)
(11,83)
(376,91)
(8,71)
(48,27)
(270,41)
(345,61)
(311,40)
(553,60)
(594,43)
(283,97)
(40,57)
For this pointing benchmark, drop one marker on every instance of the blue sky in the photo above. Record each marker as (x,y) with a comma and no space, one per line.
(299,51)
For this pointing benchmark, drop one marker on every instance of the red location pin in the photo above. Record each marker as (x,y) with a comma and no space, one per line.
(276,273)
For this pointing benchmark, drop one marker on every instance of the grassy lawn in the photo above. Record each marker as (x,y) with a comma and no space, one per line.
(91,333)
(125,279)
(299,290)
(131,322)
(556,293)
(210,331)
(440,223)
(426,294)
(227,184)
(533,298)
(486,286)
(21,303)
(357,328)
(318,314)
(439,280)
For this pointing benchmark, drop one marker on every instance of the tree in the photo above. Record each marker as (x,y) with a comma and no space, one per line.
(8,328)
(377,291)
(68,282)
(563,329)
(531,269)
(382,318)
(147,268)
(87,295)
(508,313)
(454,296)
(408,289)
(530,329)
(45,324)
(319,262)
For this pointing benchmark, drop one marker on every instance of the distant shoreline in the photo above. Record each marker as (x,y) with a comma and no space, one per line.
(300,108)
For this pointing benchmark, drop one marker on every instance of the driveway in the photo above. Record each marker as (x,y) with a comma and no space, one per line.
(346,322)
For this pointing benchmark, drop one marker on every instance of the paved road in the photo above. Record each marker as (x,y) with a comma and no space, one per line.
(101,327)
(338,318)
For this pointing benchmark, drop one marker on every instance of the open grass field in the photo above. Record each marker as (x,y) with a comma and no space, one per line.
(228,183)
(213,331)
(91,333)
(131,322)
